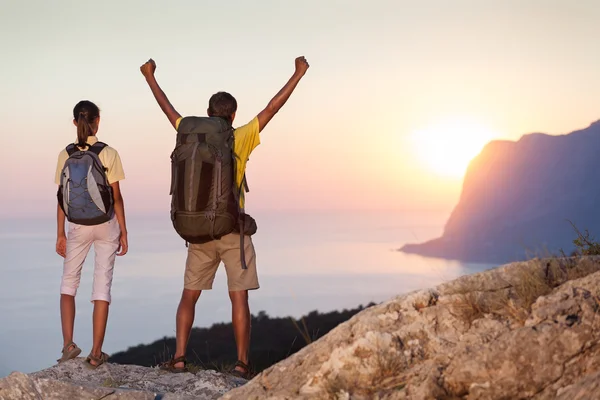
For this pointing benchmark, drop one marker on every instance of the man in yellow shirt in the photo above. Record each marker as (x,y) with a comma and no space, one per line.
(203,259)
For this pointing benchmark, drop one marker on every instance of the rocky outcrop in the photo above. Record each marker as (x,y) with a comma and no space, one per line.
(73,381)
(517,198)
(528,330)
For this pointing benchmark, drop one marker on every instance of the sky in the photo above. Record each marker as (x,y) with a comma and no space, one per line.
(399,95)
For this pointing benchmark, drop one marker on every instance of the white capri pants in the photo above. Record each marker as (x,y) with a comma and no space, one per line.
(105,238)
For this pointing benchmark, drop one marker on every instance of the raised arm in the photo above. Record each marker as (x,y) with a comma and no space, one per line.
(148,71)
(283,95)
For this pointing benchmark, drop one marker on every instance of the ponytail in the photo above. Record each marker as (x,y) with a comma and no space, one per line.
(83,130)
(86,114)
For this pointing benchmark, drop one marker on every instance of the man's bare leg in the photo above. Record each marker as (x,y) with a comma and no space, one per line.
(240,317)
(185,319)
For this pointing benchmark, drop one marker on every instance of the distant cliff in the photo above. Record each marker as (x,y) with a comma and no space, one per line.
(518,198)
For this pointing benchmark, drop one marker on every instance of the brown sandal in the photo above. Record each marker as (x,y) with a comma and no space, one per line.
(241,374)
(170,365)
(98,360)
(69,354)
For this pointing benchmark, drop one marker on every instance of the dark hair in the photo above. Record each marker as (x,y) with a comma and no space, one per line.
(222,104)
(86,114)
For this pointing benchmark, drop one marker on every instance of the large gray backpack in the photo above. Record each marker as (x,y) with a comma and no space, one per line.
(84,193)
(205,201)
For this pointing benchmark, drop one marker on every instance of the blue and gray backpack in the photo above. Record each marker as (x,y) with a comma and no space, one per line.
(84,193)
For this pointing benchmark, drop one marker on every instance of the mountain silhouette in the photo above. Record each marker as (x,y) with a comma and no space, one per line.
(519,198)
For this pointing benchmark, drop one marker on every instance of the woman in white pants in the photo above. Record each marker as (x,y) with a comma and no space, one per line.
(108,234)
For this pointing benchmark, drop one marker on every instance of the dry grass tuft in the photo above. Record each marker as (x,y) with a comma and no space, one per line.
(389,364)
(112,383)
(195,368)
(340,388)
(528,286)
(303,330)
(386,374)
(469,307)
(514,302)
(582,268)
(164,355)
(515,313)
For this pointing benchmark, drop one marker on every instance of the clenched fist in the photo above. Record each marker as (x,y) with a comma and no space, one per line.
(301,65)
(148,68)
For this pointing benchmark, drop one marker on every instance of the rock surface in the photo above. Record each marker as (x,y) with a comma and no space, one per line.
(528,330)
(517,198)
(72,380)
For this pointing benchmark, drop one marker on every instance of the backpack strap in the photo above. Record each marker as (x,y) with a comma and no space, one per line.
(245,183)
(71,149)
(242,252)
(237,193)
(97,147)
(184,138)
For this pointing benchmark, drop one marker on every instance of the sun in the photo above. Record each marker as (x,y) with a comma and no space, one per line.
(448,146)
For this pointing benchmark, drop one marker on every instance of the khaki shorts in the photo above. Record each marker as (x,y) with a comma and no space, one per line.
(204,259)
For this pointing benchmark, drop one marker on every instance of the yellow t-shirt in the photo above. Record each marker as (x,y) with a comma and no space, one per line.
(246,139)
(109,157)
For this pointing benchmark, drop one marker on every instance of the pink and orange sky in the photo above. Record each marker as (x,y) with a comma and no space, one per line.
(397,91)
